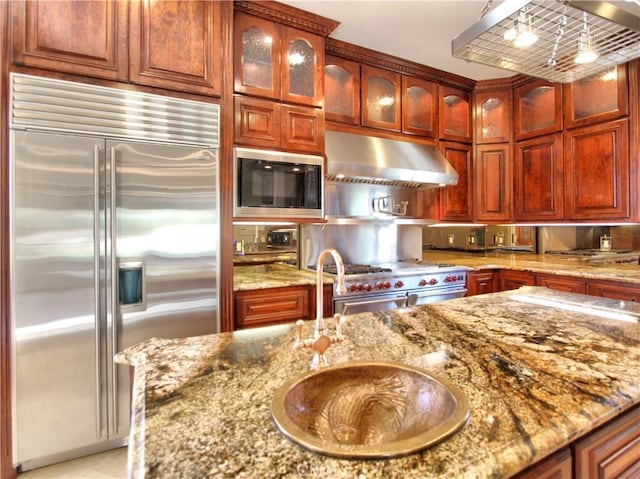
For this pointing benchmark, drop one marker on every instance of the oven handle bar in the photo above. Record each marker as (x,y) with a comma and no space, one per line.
(446,293)
(401,301)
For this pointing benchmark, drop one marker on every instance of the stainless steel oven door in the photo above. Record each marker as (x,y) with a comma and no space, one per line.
(417,298)
(369,303)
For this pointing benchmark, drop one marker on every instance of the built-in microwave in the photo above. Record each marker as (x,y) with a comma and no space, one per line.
(277,184)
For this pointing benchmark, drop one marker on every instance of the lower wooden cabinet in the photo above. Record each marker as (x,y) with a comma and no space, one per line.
(562,283)
(612,451)
(262,307)
(481,282)
(509,279)
(558,466)
(615,290)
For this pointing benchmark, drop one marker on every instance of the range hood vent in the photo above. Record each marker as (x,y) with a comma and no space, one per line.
(373,160)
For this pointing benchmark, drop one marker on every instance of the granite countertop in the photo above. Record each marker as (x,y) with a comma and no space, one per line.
(537,377)
(539,263)
(272,276)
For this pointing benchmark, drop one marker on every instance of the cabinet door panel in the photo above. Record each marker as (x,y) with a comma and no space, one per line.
(269,306)
(597,171)
(257,122)
(256,56)
(302,128)
(341,90)
(538,183)
(492,188)
(302,60)
(492,117)
(163,56)
(380,98)
(456,201)
(625,292)
(46,34)
(558,466)
(562,283)
(509,279)
(538,109)
(481,282)
(455,115)
(419,107)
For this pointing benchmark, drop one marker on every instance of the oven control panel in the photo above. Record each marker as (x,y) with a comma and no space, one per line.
(373,283)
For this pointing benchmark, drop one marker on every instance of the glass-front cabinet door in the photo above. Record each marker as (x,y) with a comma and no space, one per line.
(381,98)
(492,117)
(302,62)
(419,107)
(341,90)
(538,109)
(455,114)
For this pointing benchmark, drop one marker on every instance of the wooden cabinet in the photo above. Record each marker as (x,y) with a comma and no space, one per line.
(456,201)
(261,307)
(455,115)
(419,107)
(482,282)
(509,279)
(72,36)
(277,61)
(612,451)
(537,109)
(562,283)
(265,123)
(341,90)
(615,290)
(557,466)
(538,179)
(380,99)
(492,183)
(597,98)
(176,45)
(492,116)
(597,172)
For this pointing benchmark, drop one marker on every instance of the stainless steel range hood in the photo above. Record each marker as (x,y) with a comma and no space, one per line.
(368,159)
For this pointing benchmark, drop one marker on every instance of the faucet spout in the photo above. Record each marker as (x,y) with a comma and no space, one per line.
(340,287)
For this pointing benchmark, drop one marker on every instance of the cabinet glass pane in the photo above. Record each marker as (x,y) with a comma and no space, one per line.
(300,61)
(491,113)
(596,94)
(420,108)
(456,115)
(381,105)
(537,109)
(256,58)
(338,90)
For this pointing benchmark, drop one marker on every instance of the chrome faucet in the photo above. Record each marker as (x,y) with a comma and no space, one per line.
(320,341)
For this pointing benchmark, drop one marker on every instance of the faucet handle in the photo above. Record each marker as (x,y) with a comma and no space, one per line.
(338,319)
(299,341)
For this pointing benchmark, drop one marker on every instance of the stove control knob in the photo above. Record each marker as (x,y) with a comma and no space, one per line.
(423,282)
(386,285)
(352,288)
(378,285)
(448,279)
(399,284)
(360,287)
(368,287)
(433,281)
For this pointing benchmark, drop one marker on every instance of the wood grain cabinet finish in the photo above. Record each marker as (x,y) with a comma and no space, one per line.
(481,282)
(456,201)
(257,122)
(72,36)
(341,90)
(612,452)
(615,290)
(509,279)
(492,183)
(537,109)
(598,98)
(455,114)
(538,179)
(176,45)
(276,61)
(381,98)
(492,116)
(562,283)
(302,128)
(558,466)
(596,175)
(419,107)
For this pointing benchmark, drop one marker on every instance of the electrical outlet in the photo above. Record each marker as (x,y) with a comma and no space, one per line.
(450,239)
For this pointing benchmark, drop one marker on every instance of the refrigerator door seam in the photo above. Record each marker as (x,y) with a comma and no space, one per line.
(96,280)
(114,291)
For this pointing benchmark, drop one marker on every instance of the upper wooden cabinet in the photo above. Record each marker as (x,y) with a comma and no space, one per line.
(492,116)
(598,98)
(342,90)
(80,37)
(538,179)
(455,114)
(380,99)
(277,61)
(456,202)
(162,54)
(537,109)
(419,107)
(492,185)
(597,172)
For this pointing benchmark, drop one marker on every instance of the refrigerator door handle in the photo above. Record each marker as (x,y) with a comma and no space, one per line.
(96,289)
(114,290)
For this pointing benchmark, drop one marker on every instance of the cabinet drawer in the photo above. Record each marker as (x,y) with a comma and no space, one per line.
(625,292)
(562,283)
(515,279)
(558,466)
(272,305)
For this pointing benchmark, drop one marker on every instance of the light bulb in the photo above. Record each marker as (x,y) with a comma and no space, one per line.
(525,39)
(586,53)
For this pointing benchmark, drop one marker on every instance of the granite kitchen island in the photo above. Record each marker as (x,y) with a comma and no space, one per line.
(539,372)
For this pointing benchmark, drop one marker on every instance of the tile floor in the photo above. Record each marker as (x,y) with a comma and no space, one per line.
(107,465)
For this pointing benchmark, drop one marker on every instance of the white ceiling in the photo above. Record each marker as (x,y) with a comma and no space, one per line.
(418,30)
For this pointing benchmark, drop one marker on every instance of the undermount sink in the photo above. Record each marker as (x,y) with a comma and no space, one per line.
(369,410)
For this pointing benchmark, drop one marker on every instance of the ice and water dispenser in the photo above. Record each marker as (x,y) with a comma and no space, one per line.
(131,284)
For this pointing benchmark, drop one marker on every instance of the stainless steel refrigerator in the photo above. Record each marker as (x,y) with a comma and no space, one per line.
(114,230)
